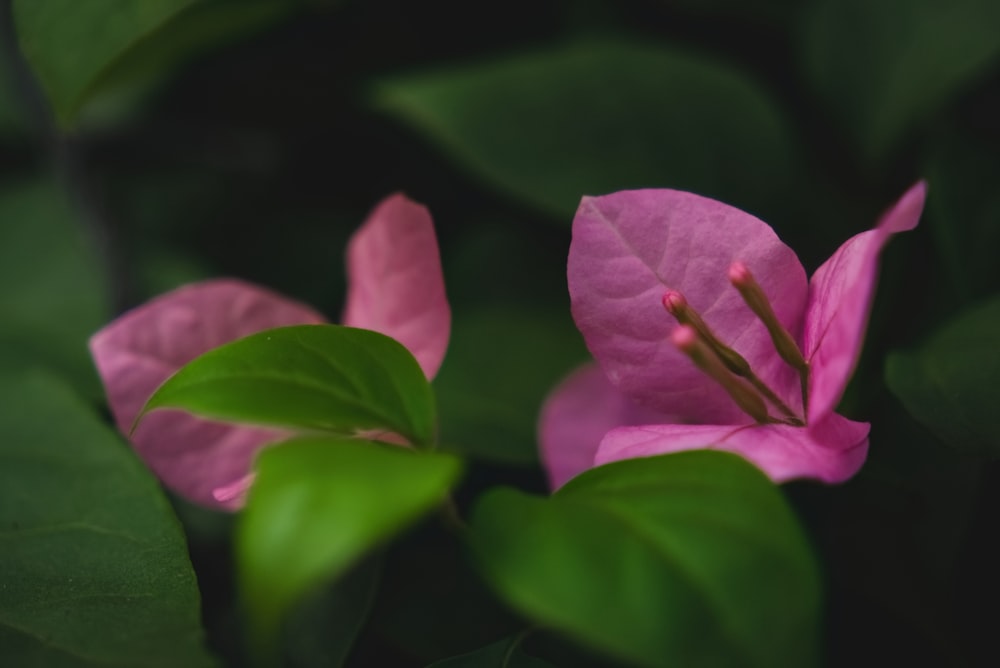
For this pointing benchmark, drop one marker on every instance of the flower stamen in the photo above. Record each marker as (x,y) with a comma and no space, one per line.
(753,295)
(677,305)
(689,342)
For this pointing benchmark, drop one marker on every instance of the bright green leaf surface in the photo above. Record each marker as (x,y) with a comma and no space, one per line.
(591,118)
(52,291)
(504,654)
(314,377)
(950,383)
(499,368)
(318,505)
(80,48)
(690,559)
(885,65)
(94,569)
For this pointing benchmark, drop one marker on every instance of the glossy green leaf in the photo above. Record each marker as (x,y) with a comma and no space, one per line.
(312,377)
(317,506)
(52,287)
(591,118)
(79,49)
(504,654)
(691,559)
(499,368)
(95,570)
(884,66)
(949,383)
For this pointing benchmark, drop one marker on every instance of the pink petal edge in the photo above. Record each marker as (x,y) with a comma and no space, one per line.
(840,298)
(139,350)
(575,416)
(832,451)
(395,282)
(629,247)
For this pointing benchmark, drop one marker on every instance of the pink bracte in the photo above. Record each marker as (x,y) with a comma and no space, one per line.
(395,286)
(647,397)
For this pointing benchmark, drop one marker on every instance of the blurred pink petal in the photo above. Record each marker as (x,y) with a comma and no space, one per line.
(630,246)
(575,415)
(840,299)
(395,283)
(138,351)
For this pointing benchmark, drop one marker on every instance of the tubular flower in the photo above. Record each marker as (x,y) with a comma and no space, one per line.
(708,335)
(395,286)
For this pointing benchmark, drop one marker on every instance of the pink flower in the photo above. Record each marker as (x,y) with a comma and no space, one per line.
(709,336)
(395,286)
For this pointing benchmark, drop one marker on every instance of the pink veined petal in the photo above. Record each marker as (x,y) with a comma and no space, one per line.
(840,299)
(395,282)
(629,247)
(831,451)
(574,418)
(139,350)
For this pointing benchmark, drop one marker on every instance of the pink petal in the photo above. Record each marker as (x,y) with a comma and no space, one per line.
(574,418)
(395,284)
(840,298)
(135,353)
(628,247)
(832,451)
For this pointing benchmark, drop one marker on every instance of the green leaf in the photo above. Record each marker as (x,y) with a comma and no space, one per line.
(964,211)
(690,559)
(949,384)
(317,506)
(591,118)
(79,49)
(322,629)
(885,66)
(52,287)
(312,377)
(504,654)
(752,11)
(94,563)
(13,117)
(499,368)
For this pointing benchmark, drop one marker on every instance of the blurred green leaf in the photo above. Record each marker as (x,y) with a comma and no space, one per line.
(885,66)
(964,212)
(757,11)
(12,115)
(313,377)
(949,383)
(322,629)
(95,570)
(591,118)
(52,287)
(433,603)
(504,654)
(691,559)
(318,505)
(501,364)
(78,49)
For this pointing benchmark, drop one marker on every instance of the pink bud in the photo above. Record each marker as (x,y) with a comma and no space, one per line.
(684,337)
(674,302)
(739,274)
